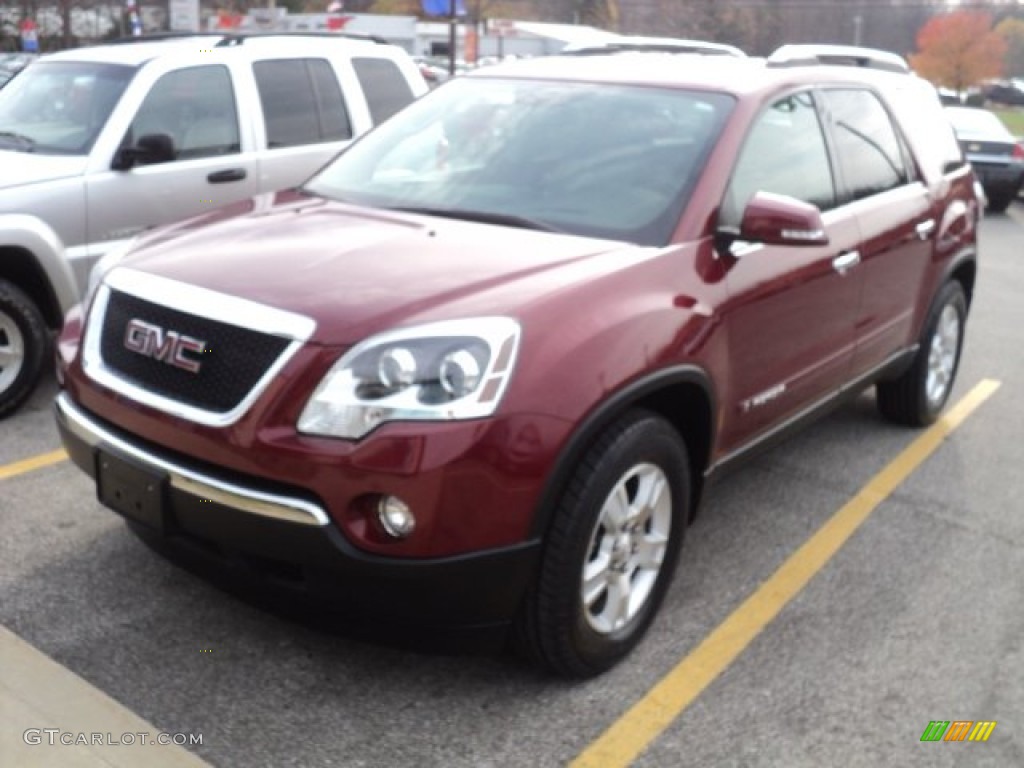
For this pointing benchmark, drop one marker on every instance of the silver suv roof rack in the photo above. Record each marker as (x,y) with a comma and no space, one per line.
(230,39)
(654,45)
(840,55)
(238,38)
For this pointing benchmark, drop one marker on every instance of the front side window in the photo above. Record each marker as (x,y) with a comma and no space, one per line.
(784,153)
(610,161)
(60,107)
(302,102)
(195,107)
(871,156)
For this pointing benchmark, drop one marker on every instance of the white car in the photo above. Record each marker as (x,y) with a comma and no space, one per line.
(99,144)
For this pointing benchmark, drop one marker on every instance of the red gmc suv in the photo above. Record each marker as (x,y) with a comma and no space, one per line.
(476,373)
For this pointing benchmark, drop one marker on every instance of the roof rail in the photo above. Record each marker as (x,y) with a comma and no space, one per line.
(156,37)
(653,45)
(238,38)
(840,55)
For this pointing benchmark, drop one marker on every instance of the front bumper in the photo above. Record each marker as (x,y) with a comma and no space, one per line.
(283,542)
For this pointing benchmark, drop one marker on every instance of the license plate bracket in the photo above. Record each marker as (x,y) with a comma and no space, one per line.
(131,490)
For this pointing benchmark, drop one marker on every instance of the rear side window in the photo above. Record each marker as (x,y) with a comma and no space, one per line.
(785,153)
(302,103)
(386,89)
(871,156)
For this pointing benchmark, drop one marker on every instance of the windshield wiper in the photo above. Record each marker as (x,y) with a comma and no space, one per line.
(487,217)
(26,141)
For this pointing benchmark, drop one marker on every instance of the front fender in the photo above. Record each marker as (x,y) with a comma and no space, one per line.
(28,246)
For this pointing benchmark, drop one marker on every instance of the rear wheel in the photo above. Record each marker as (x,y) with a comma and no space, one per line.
(917,397)
(24,346)
(611,550)
(999,203)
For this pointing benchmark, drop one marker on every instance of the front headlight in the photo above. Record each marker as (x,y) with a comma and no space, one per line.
(447,371)
(106,262)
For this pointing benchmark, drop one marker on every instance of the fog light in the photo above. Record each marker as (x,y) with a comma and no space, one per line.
(395,517)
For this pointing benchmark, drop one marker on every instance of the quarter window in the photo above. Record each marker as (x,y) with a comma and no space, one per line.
(871,156)
(784,153)
(302,103)
(387,91)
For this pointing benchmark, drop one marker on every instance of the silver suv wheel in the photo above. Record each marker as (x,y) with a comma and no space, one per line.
(12,351)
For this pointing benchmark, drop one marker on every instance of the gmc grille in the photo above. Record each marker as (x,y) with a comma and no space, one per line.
(235,358)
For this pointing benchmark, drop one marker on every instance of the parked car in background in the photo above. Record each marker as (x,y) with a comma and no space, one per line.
(433,69)
(1009,92)
(478,371)
(1020,150)
(99,144)
(995,154)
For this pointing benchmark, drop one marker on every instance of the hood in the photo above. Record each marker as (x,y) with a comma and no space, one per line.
(20,168)
(357,270)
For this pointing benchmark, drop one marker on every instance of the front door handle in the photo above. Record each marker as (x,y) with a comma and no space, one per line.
(846,261)
(222,177)
(925,228)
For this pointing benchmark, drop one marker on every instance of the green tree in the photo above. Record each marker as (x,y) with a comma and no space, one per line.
(958,50)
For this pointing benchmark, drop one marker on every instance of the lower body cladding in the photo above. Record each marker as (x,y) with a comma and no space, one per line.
(284,546)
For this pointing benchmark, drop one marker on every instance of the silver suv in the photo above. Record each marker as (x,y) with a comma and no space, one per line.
(99,144)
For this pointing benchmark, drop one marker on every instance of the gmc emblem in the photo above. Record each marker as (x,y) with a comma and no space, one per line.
(166,346)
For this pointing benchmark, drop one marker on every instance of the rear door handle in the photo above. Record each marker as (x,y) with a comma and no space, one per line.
(222,177)
(846,261)
(925,228)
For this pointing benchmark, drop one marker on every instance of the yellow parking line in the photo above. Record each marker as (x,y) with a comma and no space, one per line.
(632,733)
(52,717)
(33,463)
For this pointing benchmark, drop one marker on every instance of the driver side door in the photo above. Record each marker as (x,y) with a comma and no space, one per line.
(211,160)
(792,308)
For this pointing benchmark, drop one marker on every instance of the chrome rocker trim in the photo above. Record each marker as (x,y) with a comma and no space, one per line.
(270,505)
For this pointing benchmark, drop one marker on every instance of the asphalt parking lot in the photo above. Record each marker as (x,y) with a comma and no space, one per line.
(844,661)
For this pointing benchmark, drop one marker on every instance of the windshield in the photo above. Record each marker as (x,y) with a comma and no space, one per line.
(59,107)
(597,160)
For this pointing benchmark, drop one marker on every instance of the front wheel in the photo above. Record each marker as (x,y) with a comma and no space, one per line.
(917,397)
(24,347)
(611,550)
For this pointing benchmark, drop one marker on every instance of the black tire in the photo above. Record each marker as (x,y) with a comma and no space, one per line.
(639,452)
(909,399)
(24,347)
(999,203)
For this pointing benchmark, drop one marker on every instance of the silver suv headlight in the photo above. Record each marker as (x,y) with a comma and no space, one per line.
(447,371)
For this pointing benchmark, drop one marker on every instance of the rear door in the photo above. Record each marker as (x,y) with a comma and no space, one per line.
(791,310)
(306,121)
(894,213)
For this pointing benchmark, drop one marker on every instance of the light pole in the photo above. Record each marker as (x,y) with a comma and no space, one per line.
(451,37)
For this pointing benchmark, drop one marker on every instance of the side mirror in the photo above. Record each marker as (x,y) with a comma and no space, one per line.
(781,220)
(150,149)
